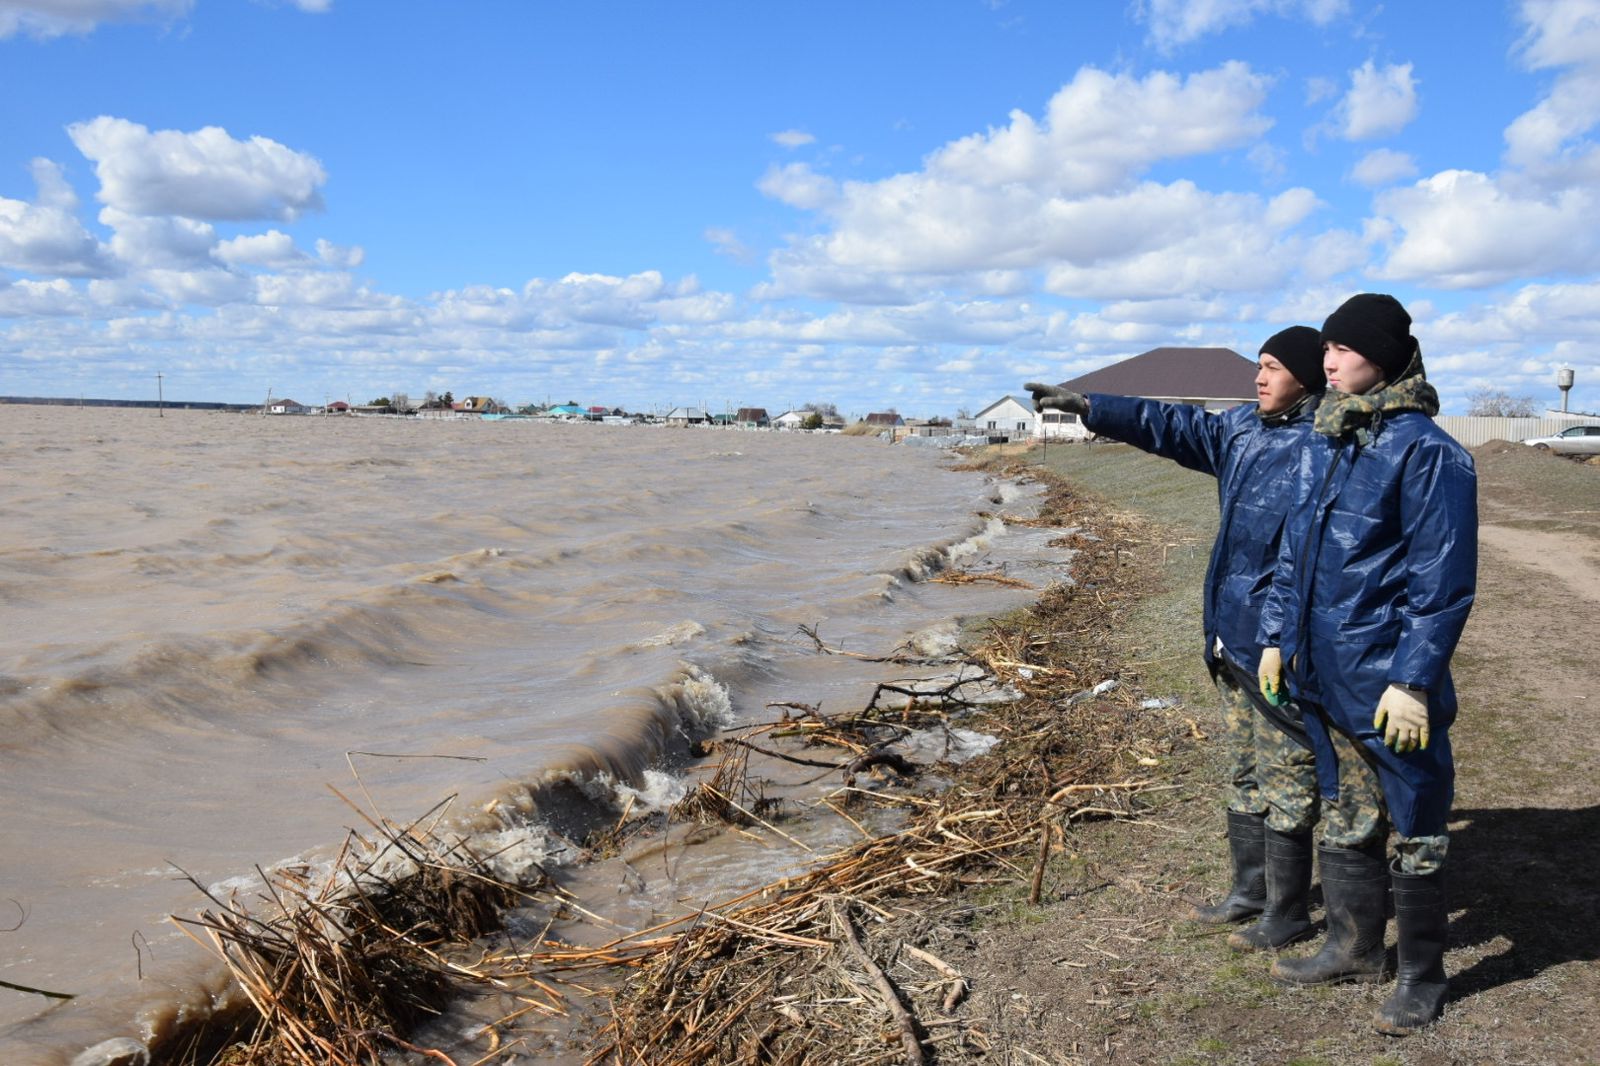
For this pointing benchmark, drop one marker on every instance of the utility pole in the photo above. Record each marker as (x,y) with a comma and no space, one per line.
(160,399)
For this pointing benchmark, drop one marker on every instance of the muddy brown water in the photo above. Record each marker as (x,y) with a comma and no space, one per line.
(210,618)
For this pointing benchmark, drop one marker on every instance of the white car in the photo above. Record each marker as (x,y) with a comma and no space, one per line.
(1574,440)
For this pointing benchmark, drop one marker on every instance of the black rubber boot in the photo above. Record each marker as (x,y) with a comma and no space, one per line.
(1247,846)
(1355,886)
(1422,919)
(1285,920)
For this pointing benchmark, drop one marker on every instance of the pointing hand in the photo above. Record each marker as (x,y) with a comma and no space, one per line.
(1054,398)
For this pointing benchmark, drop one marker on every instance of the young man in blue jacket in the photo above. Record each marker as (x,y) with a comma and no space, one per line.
(1272,798)
(1376,575)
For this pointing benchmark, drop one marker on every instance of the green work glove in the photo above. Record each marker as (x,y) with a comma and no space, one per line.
(1403,716)
(1269,675)
(1051,398)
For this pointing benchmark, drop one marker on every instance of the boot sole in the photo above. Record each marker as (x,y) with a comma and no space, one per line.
(1203,918)
(1389,1028)
(1237,942)
(1343,979)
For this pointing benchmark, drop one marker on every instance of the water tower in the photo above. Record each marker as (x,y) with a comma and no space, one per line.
(1564,383)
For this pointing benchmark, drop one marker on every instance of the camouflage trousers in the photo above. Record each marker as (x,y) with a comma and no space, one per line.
(1271,772)
(1359,817)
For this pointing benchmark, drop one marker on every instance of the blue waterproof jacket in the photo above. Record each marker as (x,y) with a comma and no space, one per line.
(1253,465)
(1375,576)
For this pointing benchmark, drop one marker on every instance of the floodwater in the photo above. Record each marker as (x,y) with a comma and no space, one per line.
(212,618)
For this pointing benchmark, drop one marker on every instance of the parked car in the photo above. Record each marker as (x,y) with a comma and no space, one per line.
(1574,440)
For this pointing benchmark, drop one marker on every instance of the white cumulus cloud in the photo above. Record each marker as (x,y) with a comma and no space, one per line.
(1050,193)
(270,249)
(28,299)
(45,236)
(342,257)
(1101,129)
(206,174)
(1563,35)
(1179,240)
(1461,229)
(1379,103)
(143,241)
(793,138)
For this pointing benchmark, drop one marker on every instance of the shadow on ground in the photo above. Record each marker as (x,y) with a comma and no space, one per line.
(1529,875)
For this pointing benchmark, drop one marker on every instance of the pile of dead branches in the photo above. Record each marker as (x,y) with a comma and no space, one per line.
(342,962)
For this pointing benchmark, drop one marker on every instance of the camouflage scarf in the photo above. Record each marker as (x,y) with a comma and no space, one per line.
(1342,413)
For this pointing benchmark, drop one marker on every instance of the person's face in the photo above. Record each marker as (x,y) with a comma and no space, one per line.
(1276,388)
(1348,370)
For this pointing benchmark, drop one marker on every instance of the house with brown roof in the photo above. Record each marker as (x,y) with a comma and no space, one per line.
(1213,378)
(752,418)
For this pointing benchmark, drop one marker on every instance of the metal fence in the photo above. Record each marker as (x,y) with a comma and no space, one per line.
(1470,431)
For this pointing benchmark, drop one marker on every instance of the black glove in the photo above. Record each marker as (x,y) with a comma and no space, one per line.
(1051,398)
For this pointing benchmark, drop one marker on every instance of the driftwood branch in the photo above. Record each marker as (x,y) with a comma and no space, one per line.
(898,763)
(896,658)
(1036,888)
(885,989)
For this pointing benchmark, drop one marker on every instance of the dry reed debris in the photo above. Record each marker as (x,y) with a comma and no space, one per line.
(341,964)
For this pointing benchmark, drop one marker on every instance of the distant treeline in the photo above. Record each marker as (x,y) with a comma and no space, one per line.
(177,405)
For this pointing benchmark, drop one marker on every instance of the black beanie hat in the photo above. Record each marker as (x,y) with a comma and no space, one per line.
(1375,325)
(1299,349)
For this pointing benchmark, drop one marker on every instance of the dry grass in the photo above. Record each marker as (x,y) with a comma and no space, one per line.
(340,966)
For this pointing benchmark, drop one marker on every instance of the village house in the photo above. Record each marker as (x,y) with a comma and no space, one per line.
(286,407)
(884,420)
(752,418)
(688,416)
(480,405)
(1213,378)
(1007,417)
(790,420)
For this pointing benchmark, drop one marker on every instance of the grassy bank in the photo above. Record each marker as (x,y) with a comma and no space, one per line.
(1179,512)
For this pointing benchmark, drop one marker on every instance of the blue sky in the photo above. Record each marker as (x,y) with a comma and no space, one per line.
(909,204)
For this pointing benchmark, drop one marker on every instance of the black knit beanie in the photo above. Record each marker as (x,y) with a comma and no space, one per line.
(1299,349)
(1375,325)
